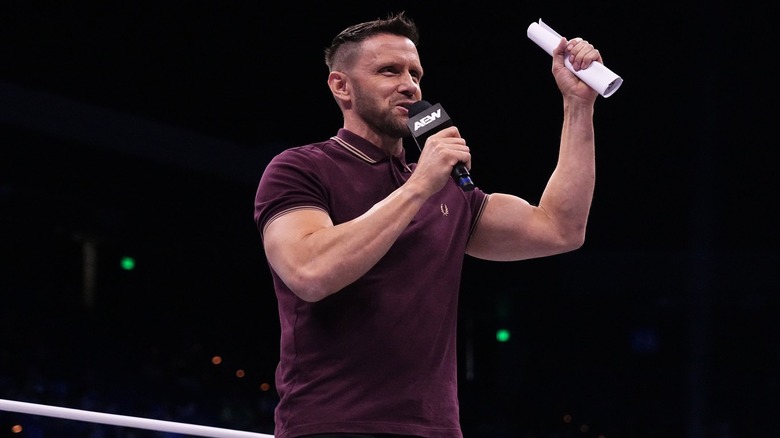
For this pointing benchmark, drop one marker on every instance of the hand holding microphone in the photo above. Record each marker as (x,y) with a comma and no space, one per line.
(425,120)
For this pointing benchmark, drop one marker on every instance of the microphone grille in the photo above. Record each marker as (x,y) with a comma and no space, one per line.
(418,107)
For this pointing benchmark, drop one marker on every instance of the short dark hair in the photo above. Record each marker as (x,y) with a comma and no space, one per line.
(394,24)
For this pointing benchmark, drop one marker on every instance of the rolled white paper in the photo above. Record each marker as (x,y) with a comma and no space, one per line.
(597,76)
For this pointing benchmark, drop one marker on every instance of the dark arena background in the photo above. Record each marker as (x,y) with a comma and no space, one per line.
(133,282)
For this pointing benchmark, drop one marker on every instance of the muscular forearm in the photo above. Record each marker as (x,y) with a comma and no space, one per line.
(316,259)
(568,195)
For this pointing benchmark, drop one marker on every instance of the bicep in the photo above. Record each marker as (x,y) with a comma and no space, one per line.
(284,238)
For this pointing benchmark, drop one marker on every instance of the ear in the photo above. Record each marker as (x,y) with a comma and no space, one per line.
(339,86)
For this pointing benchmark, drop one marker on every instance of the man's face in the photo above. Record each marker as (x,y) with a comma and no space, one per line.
(386,80)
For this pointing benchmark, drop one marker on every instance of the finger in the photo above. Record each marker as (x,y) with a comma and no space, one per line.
(451,131)
(582,53)
(576,49)
(590,57)
(561,49)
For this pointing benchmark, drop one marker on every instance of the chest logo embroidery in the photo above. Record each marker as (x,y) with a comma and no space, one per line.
(445,211)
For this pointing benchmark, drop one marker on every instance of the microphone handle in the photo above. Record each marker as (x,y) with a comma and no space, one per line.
(462,177)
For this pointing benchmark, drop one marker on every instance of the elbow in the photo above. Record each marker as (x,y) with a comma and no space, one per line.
(311,296)
(570,239)
(574,240)
(308,291)
(575,244)
(308,286)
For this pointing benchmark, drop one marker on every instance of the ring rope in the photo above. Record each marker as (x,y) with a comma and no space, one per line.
(125,420)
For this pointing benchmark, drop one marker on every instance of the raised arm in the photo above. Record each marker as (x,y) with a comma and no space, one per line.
(513,229)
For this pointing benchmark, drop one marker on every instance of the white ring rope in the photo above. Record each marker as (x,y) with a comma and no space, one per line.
(124,420)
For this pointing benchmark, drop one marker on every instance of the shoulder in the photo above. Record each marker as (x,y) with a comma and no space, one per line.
(314,157)
(308,151)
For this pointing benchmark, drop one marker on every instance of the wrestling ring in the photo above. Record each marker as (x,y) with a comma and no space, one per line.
(124,420)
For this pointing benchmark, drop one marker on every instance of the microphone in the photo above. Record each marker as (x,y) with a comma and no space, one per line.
(425,120)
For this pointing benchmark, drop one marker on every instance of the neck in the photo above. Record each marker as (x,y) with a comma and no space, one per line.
(391,146)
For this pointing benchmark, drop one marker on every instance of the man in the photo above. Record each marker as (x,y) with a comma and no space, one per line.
(366,250)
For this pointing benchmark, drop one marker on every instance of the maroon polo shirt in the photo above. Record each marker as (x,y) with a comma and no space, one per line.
(378,356)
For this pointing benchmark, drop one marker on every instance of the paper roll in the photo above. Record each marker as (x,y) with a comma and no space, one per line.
(597,76)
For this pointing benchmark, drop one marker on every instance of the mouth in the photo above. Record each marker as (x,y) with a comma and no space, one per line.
(405,106)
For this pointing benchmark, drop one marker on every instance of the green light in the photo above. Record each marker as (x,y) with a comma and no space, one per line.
(502,335)
(127,263)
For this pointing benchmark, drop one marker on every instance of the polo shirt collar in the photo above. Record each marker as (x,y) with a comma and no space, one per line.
(364,149)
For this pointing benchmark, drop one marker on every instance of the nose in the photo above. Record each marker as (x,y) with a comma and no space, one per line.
(409,85)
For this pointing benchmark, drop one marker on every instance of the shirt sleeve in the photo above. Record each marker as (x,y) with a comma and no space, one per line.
(289,182)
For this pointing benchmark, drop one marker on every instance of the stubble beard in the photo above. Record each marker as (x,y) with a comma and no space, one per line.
(382,121)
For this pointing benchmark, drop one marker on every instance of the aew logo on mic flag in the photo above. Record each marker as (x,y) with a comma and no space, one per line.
(427,119)
(427,122)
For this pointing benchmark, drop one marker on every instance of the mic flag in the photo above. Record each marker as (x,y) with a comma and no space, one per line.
(425,120)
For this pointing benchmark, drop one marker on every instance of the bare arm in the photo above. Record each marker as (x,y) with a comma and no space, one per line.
(513,229)
(316,258)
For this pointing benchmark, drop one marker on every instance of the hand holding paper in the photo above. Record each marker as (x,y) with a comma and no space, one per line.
(597,76)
